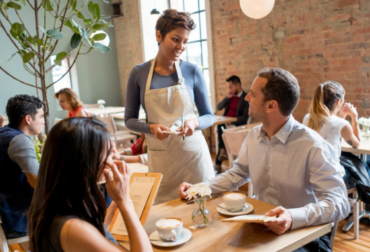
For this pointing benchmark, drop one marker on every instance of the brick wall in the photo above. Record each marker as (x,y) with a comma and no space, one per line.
(316,40)
(128,40)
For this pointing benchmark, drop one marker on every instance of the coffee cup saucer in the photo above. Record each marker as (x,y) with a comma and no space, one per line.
(247,209)
(185,236)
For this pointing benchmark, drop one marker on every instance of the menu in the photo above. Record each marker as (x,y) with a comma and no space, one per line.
(140,189)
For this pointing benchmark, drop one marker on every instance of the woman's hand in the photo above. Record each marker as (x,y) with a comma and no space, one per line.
(2,119)
(157,130)
(348,109)
(115,152)
(118,189)
(189,127)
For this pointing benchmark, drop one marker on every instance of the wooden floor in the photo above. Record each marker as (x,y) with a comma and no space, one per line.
(344,242)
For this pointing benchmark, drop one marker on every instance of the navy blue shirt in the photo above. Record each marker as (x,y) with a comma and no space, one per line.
(17,158)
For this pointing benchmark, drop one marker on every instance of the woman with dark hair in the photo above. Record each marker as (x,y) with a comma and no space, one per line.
(327,117)
(68,100)
(68,209)
(169,89)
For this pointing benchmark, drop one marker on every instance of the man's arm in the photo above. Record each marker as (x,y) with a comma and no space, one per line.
(329,189)
(243,118)
(222,104)
(22,151)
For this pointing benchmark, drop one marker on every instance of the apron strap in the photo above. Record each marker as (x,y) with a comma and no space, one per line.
(150,76)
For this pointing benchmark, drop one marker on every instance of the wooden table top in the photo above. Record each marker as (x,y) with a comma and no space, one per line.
(230,236)
(364,147)
(224,119)
(106,110)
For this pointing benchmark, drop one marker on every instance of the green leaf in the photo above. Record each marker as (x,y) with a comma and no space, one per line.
(14,5)
(75,40)
(59,57)
(84,34)
(55,34)
(42,29)
(40,42)
(13,34)
(68,23)
(27,57)
(74,5)
(98,27)
(99,36)
(105,1)
(75,29)
(16,0)
(17,28)
(97,11)
(23,2)
(14,55)
(101,48)
(49,5)
(30,40)
(87,21)
(91,8)
(79,15)
(70,2)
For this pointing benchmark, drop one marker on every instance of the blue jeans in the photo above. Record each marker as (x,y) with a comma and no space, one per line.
(10,234)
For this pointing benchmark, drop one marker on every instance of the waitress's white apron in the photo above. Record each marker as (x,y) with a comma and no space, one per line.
(178,160)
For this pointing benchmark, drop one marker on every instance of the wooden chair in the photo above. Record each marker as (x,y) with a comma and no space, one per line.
(4,243)
(120,136)
(233,139)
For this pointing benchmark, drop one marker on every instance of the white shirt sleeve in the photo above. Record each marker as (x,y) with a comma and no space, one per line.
(306,119)
(329,189)
(144,158)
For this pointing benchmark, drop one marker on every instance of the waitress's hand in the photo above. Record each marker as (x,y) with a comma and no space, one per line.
(118,189)
(157,130)
(189,127)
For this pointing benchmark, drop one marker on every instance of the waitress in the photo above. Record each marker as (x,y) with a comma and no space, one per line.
(167,88)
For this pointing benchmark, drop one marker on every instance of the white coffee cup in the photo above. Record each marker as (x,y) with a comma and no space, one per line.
(234,201)
(169,229)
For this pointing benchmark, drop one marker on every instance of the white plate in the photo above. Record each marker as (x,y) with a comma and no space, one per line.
(185,236)
(248,209)
(171,132)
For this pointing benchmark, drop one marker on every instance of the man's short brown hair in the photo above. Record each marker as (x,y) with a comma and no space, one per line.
(282,87)
(171,19)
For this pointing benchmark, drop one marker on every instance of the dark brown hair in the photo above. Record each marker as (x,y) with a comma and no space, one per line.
(171,19)
(71,96)
(282,87)
(73,159)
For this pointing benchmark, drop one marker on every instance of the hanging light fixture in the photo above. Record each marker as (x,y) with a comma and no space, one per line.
(257,9)
(150,23)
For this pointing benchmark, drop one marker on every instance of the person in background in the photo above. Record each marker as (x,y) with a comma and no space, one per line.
(169,89)
(289,164)
(235,106)
(68,211)
(2,120)
(18,162)
(68,100)
(137,153)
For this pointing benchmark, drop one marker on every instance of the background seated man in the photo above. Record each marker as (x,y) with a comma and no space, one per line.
(235,106)
(289,165)
(19,165)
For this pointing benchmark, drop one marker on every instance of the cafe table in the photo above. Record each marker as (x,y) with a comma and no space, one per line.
(364,147)
(105,110)
(230,236)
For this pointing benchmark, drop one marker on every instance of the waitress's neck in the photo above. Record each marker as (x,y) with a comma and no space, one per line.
(163,63)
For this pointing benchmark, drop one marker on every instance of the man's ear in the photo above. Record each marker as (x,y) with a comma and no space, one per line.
(28,119)
(158,36)
(272,105)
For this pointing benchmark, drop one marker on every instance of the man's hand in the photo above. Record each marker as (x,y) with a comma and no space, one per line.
(183,188)
(2,119)
(229,94)
(283,221)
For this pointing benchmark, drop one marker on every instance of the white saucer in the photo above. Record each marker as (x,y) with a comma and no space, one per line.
(248,209)
(185,236)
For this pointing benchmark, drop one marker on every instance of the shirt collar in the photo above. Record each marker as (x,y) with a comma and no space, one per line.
(240,94)
(283,133)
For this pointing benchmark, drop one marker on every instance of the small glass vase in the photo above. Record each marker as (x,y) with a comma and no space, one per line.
(365,131)
(101,106)
(201,215)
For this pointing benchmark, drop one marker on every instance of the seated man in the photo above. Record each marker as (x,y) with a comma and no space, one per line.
(18,162)
(235,106)
(289,165)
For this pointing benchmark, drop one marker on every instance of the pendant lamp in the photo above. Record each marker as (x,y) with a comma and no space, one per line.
(257,9)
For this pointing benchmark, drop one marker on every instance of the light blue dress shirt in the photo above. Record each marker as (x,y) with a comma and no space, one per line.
(296,169)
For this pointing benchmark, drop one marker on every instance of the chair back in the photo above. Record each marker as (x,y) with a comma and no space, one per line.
(109,121)
(333,233)
(233,140)
(91,105)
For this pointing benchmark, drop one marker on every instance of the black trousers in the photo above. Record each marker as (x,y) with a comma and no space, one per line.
(321,244)
(221,144)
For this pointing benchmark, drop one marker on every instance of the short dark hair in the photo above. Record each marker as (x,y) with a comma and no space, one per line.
(282,87)
(19,106)
(234,79)
(171,19)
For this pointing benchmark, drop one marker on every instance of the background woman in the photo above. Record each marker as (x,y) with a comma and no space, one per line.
(68,100)
(167,88)
(328,101)
(68,208)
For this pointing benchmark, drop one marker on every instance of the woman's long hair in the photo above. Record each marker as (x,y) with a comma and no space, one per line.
(326,95)
(73,159)
(71,97)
